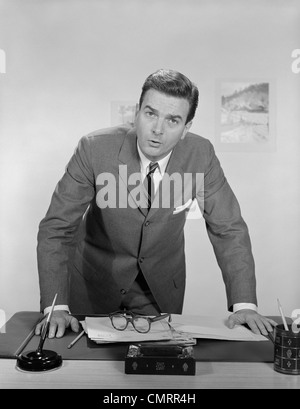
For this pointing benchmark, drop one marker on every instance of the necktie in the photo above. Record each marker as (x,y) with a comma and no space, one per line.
(150,183)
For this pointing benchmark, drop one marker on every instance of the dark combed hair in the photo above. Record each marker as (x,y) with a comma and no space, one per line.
(175,84)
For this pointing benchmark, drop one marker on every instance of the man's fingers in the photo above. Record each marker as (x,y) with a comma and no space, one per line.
(272,322)
(38,328)
(255,326)
(235,319)
(261,329)
(52,329)
(74,324)
(63,324)
(231,321)
(256,322)
(61,327)
(265,325)
(58,324)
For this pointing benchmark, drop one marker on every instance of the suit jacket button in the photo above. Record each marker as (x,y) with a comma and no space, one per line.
(141,259)
(123,291)
(147,224)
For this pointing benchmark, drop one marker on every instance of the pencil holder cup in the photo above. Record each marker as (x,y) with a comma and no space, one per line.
(286,351)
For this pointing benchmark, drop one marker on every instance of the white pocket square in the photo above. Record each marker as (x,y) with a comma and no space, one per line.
(183,207)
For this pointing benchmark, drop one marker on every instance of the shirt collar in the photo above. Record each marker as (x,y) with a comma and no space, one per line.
(145,162)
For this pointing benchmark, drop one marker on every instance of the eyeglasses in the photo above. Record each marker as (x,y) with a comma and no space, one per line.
(140,323)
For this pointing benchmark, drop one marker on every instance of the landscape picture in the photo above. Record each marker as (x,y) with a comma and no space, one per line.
(123,112)
(244,113)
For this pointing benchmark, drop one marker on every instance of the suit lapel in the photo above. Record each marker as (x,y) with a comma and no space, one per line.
(129,158)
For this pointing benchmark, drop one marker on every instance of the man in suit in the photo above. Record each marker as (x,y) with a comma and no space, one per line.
(100,247)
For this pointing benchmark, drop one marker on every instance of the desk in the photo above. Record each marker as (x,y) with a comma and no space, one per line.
(110,375)
(250,366)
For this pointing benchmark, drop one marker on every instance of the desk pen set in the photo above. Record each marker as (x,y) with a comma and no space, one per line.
(41,359)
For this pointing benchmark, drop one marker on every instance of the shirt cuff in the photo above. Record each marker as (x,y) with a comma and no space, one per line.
(244,305)
(57,307)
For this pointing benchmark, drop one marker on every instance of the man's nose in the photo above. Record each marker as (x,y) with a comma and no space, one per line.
(158,127)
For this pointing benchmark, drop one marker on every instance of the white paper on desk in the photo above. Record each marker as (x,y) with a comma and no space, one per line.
(100,330)
(213,328)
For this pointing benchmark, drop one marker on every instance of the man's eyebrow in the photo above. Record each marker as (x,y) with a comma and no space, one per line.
(169,115)
(150,107)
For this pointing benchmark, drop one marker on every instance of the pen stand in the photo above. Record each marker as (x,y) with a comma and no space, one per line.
(286,351)
(41,359)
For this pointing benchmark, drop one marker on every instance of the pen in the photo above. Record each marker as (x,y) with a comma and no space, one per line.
(76,339)
(27,339)
(282,316)
(46,326)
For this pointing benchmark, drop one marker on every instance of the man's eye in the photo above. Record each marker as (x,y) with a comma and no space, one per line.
(150,113)
(173,121)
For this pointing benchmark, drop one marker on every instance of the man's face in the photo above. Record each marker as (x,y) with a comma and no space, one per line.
(160,123)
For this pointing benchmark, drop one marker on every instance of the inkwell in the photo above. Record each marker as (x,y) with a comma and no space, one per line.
(41,359)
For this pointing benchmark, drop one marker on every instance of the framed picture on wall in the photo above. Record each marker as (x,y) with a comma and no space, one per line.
(123,112)
(245,114)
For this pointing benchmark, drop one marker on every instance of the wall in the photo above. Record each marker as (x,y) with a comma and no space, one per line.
(67,60)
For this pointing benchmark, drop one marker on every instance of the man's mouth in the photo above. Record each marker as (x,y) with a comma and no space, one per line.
(155,143)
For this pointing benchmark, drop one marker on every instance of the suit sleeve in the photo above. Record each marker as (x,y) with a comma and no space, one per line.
(58,229)
(229,235)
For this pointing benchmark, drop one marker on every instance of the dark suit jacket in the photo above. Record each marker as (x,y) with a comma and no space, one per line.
(103,249)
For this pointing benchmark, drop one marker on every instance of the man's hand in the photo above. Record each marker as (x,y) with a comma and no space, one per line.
(60,320)
(256,322)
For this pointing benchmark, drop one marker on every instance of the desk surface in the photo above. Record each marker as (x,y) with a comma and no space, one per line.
(83,374)
(217,367)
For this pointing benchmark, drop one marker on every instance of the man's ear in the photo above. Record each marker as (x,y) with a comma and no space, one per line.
(186,129)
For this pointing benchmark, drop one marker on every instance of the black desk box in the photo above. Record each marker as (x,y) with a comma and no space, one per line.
(160,360)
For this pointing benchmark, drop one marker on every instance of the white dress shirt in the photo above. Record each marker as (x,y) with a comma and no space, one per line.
(159,171)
